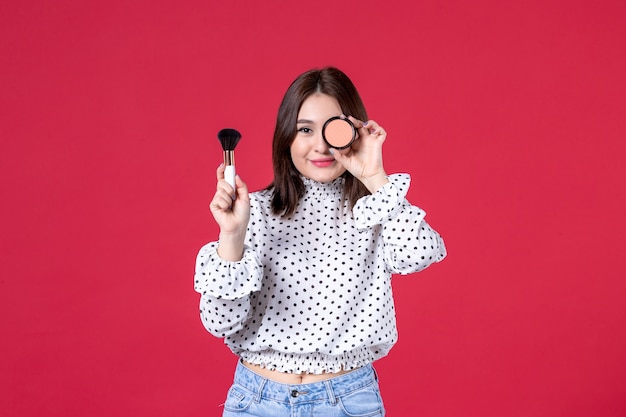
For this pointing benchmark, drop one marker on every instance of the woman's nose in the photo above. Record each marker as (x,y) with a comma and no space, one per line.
(320,144)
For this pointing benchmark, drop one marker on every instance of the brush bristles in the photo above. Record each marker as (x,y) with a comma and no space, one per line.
(228,138)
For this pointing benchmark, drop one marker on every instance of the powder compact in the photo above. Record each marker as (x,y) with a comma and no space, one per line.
(339,133)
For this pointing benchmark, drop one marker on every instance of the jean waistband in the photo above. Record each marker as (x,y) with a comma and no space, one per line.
(327,389)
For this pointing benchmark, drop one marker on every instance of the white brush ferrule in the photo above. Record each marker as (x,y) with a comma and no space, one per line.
(229,175)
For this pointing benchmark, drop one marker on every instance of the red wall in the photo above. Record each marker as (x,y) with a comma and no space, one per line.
(510,116)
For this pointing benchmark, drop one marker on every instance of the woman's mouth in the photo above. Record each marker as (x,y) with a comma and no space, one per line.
(323,163)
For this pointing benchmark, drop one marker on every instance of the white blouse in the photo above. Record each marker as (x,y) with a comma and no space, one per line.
(312,293)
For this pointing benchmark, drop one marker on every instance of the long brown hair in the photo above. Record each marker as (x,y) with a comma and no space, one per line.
(287,186)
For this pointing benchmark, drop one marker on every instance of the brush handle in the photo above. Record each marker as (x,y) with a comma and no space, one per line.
(229,175)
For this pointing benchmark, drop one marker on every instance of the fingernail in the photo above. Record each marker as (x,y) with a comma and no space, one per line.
(364,123)
(332,151)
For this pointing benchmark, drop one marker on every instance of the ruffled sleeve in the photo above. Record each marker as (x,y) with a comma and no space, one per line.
(219,278)
(409,243)
(226,289)
(384,204)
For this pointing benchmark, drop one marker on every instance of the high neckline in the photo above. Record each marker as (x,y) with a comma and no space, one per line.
(317,189)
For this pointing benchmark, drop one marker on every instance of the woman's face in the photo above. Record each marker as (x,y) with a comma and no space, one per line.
(309,152)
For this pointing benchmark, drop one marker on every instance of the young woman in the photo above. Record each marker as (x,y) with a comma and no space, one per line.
(299,282)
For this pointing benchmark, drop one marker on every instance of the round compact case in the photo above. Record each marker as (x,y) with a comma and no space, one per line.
(339,133)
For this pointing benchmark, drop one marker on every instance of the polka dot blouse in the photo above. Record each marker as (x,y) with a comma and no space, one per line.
(312,293)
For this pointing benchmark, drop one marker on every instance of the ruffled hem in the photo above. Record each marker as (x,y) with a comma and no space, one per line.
(225,279)
(384,204)
(315,362)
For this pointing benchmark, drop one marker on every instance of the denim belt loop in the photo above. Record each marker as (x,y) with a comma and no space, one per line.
(331,393)
(257,397)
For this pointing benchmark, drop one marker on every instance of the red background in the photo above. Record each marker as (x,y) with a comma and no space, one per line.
(510,116)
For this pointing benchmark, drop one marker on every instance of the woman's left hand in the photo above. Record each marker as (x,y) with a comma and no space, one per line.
(364,159)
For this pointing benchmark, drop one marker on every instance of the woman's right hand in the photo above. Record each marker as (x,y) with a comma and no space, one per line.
(231,210)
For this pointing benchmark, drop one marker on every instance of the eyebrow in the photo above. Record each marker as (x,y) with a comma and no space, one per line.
(303,121)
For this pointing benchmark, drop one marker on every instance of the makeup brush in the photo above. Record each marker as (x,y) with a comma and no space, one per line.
(229,139)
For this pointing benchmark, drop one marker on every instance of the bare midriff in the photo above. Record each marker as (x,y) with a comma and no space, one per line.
(289,378)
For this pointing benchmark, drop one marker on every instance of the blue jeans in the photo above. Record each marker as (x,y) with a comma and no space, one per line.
(354,394)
